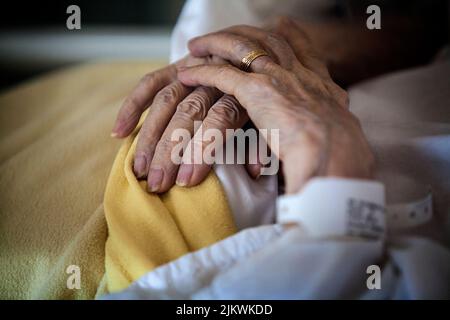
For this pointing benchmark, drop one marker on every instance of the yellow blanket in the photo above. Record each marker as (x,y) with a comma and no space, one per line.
(55,156)
(148,230)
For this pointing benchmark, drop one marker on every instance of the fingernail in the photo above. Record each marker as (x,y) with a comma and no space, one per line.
(114,131)
(140,164)
(155,178)
(184,174)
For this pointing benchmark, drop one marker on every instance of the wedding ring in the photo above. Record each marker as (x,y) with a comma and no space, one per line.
(250,57)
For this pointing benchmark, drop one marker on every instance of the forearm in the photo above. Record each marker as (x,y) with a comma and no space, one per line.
(354,53)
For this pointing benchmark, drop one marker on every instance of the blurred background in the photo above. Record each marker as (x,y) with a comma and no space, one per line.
(34,37)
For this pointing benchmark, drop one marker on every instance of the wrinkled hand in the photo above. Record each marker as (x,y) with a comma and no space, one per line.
(174,106)
(291,91)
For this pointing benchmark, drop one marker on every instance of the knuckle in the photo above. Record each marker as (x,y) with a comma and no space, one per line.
(147,136)
(168,95)
(243,45)
(131,108)
(264,82)
(198,144)
(342,97)
(223,69)
(230,103)
(270,63)
(164,147)
(283,21)
(291,77)
(206,94)
(193,108)
(226,111)
(223,72)
(282,25)
(144,150)
(147,78)
(275,39)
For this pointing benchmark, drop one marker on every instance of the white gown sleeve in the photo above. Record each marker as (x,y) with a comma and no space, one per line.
(331,257)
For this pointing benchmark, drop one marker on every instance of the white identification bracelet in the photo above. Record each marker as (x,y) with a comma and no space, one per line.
(336,207)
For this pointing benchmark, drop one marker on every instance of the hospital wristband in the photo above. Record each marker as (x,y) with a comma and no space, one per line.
(336,207)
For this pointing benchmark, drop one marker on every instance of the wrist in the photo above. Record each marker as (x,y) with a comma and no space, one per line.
(301,163)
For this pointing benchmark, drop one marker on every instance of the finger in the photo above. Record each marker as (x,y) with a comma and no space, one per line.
(251,90)
(252,162)
(301,45)
(209,141)
(159,115)
(257,93)
(226,78)
(231,47)
(305,50)
(253,170)
(275,44)
(259,157)
(141,97)
(163,170)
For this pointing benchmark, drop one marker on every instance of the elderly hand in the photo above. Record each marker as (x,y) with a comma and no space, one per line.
(174,106)
(290,91)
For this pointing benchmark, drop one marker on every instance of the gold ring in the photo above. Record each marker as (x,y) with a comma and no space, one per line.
(250,57)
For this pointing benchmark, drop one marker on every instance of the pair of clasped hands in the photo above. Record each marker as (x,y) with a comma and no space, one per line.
(289,89)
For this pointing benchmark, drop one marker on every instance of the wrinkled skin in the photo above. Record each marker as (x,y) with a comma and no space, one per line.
(174,105)
(292,91)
